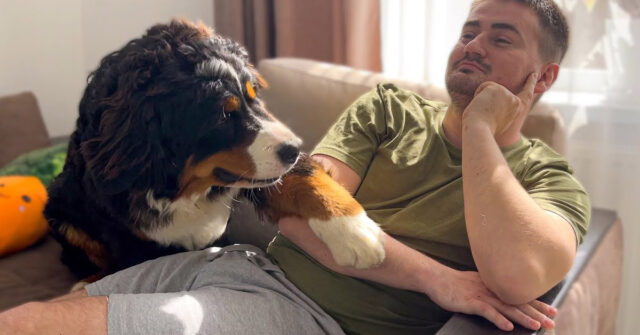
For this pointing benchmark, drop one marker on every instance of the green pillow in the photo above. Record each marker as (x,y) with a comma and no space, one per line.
(44,163)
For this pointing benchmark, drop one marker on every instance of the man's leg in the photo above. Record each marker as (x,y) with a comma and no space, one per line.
(75,313)
(79,313)
(237,291)
(205,292)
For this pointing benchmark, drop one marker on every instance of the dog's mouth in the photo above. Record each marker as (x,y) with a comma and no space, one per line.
(226,176)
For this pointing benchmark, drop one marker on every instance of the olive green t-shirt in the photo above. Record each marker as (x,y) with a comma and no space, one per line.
(412,187)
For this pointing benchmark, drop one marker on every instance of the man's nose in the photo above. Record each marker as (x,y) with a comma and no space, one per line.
(476,46)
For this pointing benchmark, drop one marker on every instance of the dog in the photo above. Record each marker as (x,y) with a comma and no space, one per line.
(171,130)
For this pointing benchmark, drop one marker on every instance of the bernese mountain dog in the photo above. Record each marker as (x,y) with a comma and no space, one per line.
(171,130)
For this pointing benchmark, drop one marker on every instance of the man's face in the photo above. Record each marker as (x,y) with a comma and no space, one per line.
(499,42)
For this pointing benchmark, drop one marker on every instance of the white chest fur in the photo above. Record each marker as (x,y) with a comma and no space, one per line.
(194,222)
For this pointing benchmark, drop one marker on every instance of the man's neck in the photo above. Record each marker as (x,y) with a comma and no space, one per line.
(452,125)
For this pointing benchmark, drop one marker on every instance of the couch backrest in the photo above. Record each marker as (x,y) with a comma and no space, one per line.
(309,95)
(22,128)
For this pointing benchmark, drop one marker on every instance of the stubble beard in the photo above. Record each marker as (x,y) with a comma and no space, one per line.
(461,89)
(462,86)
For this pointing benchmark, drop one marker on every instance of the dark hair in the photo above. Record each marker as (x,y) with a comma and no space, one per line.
(554,30)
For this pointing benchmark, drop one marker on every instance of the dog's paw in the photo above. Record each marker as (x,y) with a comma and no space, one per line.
(78,286)
(353,240)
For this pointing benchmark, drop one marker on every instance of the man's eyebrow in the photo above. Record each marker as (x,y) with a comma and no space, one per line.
(506,26)
(499,25)
(475,23)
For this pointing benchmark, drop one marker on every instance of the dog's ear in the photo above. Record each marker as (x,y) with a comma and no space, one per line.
(123,138)
(127,149)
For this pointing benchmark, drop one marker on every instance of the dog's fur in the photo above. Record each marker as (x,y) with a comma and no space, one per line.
(171,129)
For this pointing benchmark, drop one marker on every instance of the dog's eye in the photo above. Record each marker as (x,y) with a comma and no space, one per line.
(231,103)
(251,92)
(223,118)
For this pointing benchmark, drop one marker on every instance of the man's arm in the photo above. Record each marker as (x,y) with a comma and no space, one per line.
(521,251)
(75,313)
(406,268)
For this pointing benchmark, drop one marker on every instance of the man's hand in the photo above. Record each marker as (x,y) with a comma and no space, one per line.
(495,106)
(465,292)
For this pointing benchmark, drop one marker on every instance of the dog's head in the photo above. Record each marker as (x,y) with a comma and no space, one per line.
(179,110)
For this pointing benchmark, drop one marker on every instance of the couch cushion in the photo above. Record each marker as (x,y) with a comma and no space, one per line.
(34,274)
(22,128)
(309,96)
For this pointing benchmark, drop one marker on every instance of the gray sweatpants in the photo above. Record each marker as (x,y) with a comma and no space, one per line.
(233,290)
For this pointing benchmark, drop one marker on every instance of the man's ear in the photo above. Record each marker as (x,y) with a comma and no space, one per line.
(547,77)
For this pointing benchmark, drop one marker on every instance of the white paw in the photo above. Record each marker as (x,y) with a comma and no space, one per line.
(79,285)
(353,240)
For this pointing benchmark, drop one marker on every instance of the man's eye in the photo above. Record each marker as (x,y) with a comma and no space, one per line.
(503,41)
(466,37)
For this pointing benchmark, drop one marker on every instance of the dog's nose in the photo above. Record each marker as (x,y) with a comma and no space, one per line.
(288,153)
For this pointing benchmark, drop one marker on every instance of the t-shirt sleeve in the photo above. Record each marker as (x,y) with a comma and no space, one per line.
(354,138)
(549,181)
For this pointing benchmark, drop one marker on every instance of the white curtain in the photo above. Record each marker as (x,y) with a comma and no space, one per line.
(597,92)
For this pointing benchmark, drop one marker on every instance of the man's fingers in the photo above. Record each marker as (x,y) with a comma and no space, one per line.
(488,312)
(482,86)
(536,314)
(515,314)
(545,309)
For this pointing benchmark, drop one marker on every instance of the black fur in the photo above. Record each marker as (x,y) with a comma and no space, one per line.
(143,114)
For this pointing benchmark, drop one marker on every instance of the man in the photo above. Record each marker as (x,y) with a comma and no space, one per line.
(412,163)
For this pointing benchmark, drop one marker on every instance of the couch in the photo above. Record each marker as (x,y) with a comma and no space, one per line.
(308,96)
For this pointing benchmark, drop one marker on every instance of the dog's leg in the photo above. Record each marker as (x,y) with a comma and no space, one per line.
(333,214)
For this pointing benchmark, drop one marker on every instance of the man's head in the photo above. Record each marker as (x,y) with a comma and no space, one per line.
(504,41)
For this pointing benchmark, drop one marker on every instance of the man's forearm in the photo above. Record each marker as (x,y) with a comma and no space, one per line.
(71,315)
(520,250)
(403,267)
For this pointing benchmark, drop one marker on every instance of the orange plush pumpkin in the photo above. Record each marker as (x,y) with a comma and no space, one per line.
(22,200)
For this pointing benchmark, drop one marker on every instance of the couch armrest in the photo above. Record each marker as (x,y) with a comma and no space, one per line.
(600,229)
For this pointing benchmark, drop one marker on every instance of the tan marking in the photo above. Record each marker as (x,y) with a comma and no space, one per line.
(198,178)
(94,250)
(231,104)
(250,92)
(316,196)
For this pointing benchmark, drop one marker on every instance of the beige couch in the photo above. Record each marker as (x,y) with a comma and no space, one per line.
(308,96)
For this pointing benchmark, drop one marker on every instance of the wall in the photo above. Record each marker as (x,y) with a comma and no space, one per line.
(49,47)
(41,51)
